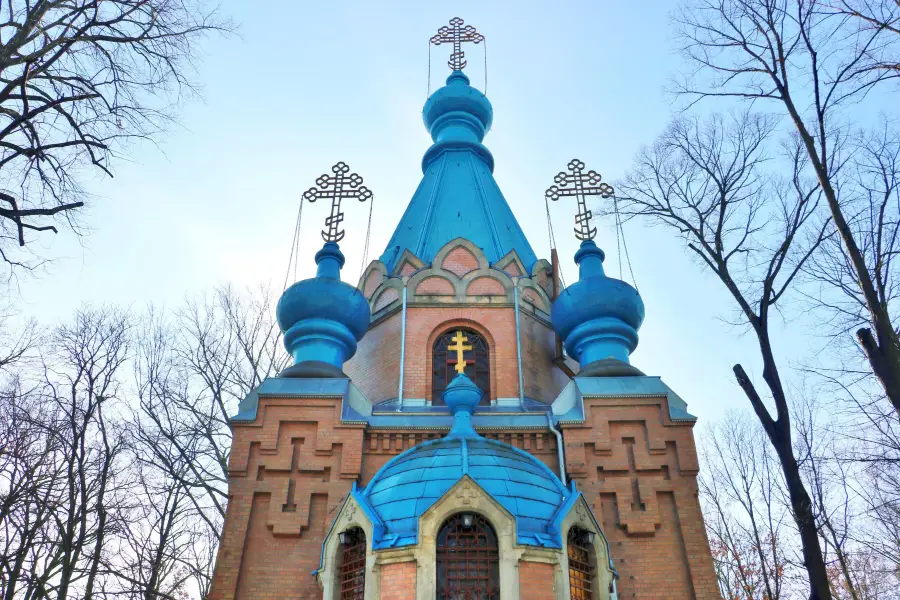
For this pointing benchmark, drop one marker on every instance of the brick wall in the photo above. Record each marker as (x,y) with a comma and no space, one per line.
(291,469)
(536,581)
(398,581)
(485,286)
(289,472)
(460,261)
(375,369)
(638,470)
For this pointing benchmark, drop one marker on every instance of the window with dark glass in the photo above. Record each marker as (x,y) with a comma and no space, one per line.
(581,564)
(352,571)
(468,559)
(445,356)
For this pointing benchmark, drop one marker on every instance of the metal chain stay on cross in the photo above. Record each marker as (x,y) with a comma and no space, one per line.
(457,33)
(342,184)
(460,347)
(580,184)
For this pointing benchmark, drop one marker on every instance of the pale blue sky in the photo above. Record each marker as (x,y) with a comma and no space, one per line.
(307,84)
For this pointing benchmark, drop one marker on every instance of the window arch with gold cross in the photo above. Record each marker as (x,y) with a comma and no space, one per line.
(460,350)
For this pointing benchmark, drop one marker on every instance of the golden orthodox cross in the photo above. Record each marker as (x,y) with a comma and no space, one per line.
(580,184)
(338,186)
(456,34)
(460,348)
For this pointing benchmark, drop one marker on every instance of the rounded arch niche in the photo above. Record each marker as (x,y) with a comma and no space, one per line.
(468,558)
(445,354)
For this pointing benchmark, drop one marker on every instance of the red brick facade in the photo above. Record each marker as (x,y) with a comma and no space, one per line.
(291,469)
(398,581)
(536,581)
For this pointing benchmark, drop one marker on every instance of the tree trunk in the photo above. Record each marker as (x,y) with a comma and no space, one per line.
(885,362)
(883,353)
(779,434)
(801,506)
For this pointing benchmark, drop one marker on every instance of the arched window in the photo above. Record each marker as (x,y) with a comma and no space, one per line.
(352,572)
(445,354)
(468,560)
(581,564)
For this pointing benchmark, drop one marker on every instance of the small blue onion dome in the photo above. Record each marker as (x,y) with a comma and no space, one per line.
(457,116)
(322,319)
(598,316)
(410,483)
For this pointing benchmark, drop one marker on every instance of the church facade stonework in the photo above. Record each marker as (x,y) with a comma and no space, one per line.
(433,439)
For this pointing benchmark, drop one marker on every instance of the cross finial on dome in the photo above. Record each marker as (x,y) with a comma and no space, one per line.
(342,184)
(457,33)
(461,397)
(579,183)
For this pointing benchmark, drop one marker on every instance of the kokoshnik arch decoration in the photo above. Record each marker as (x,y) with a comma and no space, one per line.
(580,184)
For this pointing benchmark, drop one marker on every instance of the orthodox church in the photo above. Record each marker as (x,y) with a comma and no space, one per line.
(457,426)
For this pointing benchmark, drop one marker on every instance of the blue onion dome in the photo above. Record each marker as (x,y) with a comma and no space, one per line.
(410,483)
(457,116)
(322,319)
(598,317)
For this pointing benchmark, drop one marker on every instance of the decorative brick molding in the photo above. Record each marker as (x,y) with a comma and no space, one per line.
(638,469)
(289,471)
(459,261)
(483,298)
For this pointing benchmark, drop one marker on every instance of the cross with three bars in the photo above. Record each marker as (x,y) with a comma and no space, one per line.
(579,183)
(457,33)
(460,347)
(337,187)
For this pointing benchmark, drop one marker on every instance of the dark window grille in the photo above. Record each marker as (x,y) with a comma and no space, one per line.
(443,364)
(352,574)
(468,561)
(581,566)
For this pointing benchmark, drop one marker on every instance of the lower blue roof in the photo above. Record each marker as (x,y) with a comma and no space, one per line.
(412,482)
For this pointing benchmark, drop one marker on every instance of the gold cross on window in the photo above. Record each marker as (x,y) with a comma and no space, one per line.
(460,347)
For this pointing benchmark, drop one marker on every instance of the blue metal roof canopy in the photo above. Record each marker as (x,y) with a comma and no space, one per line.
(458,196)
(410,483)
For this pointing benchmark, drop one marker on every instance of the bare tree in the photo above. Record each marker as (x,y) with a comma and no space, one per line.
(870,198)
(113,481)
(59,517)
(829,480)
(875,15)
(78,78)
(747,520)
(192,374)
(754,232)
(157,558)
(811,61)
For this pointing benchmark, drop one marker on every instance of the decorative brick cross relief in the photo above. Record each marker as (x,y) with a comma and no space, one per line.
(465,495)
(301,466)
(351,512)
(635,489)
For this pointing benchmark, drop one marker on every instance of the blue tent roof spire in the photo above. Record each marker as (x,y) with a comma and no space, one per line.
(458,196)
